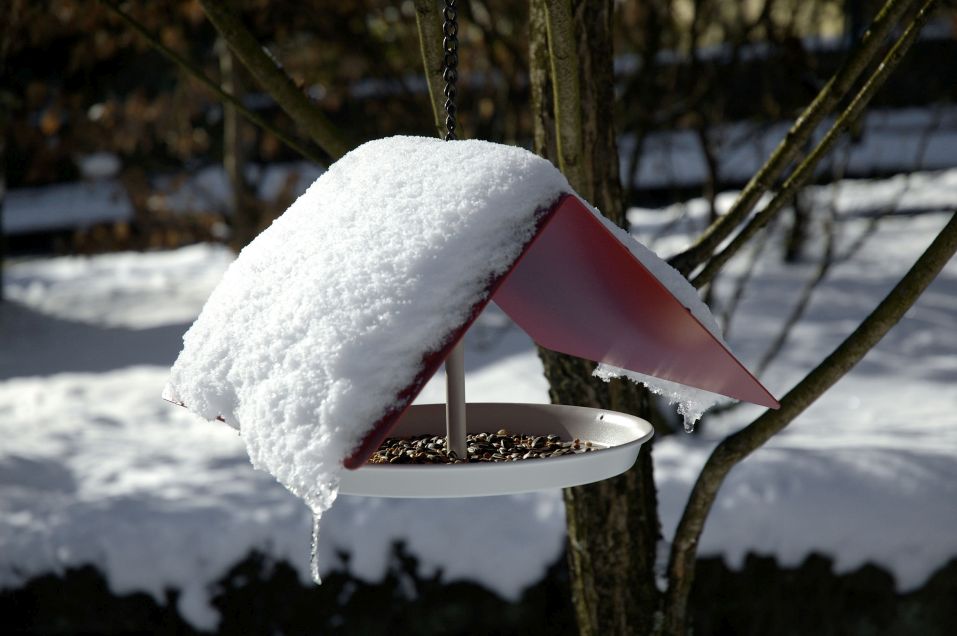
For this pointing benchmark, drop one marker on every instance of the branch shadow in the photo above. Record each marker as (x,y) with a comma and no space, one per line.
(37,344)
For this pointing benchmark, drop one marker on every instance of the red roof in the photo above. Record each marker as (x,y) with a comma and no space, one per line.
(578,290)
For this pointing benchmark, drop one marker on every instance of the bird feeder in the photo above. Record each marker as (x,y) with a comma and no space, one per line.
(298,349)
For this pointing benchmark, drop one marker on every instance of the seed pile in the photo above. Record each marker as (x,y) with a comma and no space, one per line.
(482,447)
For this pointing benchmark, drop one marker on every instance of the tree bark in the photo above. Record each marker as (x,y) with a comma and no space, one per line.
(613,526)
(564,68)
(543,111)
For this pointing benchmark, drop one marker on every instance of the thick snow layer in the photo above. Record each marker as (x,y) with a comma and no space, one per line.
(94,469)
(324,319)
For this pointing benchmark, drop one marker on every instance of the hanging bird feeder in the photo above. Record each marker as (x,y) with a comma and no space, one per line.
(328,325)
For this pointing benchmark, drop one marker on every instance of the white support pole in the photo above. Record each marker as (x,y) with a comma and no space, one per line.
(455,401)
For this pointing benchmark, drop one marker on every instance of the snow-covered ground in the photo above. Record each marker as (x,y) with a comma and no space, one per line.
(95,468)
(102,198)
(890,141)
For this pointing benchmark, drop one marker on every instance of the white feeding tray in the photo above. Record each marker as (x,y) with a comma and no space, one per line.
(617,437)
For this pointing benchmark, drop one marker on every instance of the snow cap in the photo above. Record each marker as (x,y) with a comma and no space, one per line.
(324,318)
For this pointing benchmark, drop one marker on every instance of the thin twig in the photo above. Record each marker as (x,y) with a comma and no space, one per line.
(741,284)
(712,169)
(196,73)
(275,80)
(829,257)
(828,260)
(797,137)
(891,208)
(804,300)
(734,448)
(806,168)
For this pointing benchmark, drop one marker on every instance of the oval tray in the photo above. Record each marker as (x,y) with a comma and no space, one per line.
(619,435)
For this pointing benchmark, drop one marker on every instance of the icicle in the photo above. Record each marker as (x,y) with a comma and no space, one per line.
(689,424)
(320,501)
(314,562)
(690,412)
(691,402)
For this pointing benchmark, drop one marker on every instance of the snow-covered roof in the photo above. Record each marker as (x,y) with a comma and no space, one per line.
(322,322)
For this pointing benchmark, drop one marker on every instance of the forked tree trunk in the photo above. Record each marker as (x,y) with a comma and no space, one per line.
(613,526)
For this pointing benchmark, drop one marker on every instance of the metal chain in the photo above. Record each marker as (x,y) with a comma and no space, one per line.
(450,73)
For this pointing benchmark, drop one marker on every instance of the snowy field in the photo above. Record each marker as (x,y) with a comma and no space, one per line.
(95,468)
(892,141)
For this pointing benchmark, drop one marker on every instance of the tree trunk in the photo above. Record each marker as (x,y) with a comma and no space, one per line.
(3,192)
(7,33)
(613,526)
(3,185)
(245,220)
(797,235)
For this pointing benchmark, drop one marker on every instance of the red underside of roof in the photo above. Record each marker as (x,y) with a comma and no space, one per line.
(577,290)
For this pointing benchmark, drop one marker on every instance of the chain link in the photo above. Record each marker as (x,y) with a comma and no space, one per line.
(450,63)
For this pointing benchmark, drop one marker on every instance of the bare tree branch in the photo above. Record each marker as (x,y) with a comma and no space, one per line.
(828,259)
(804,300)
(740,286)
(567,94)
(275,80)
(430,43)
(894,205)
(806,168)
(245,211)
(799,134)
(736,447)
(196,73)
(8,31)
